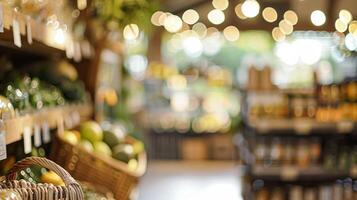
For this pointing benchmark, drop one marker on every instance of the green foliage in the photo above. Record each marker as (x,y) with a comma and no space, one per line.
(125,12)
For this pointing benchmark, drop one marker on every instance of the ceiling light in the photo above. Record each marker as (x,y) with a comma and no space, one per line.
(270,14)
(318,18)
(250,8)
(190,16)
(216,16)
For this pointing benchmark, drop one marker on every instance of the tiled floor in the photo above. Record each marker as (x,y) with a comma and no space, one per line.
(189,180)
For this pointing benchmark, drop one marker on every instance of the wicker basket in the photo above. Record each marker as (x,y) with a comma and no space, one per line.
(98,170)
(27,190)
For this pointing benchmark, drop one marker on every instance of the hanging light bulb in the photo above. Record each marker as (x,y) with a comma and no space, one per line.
(250,8)
(216,16)
(318,18)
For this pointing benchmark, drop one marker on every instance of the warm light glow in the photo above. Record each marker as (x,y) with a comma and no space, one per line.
(60,37)
(192,46)
(200,29)
(238,11)
(155,18)
(270,14)
(81,4)
(163,17)
(291,17)
(220,4)
(179,102)
(345,16)
(340,26)
(278,35)
(177,82)
(190,16)
(286,27)
(352,28)
(216,16)
(318,18)
(131,32)
(351,42)
(231,33)
(173,23)
(250,8)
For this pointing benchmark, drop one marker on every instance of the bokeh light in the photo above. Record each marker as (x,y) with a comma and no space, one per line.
(250,8)
(131,32)
(220,4)
(231,33)
(291,17)
(190,16)
(318,18)
(216,16)
(270,14)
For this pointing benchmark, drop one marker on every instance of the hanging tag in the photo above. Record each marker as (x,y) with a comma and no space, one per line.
(28,29)
(27,140)
(46,133)
(16,32)
(37,135)
(3,154)
(1,18)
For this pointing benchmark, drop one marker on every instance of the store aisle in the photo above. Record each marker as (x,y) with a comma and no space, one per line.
(191,180)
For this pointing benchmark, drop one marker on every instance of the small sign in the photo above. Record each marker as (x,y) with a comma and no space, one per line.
(1,18)
(37,135)
(16,32)
(28,30)
(27,139)
(46,133)
(3,154)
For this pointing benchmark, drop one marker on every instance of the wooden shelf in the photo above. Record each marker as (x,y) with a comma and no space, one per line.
(291,173)
(68,116)
(302,127)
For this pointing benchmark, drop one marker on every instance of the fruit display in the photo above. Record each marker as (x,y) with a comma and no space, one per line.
(108,140)
(9,194)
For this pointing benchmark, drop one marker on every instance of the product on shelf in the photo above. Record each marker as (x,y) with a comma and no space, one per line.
(6,109)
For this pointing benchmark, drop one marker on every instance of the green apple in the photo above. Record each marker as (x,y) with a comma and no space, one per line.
(91,131)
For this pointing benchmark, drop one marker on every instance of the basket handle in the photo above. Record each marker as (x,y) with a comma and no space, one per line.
(43,162)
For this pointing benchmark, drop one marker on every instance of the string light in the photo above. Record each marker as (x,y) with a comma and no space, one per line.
(131,32)
(216,16)
(352,28)
(318,18)
(270,14)
(231,33)
(220,4)
(155,18)
(345,16)
(173,23)
(238,11)
(286,27)
(250,8)
(340,26)
(190,16)
(291,17)
(277,34)
(200,29)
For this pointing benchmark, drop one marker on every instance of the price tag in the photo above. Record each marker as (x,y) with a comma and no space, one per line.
(1,18)
(27,139)
(289,173)
(28,30)
(37,135)
(345,126)
(3,154)
(16,32)
(46,133)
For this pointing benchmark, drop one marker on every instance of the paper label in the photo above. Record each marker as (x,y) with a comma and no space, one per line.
(37,135)
(3,154)
(1,18)
(46,133)
(16,32)
(28,30)
(27,140)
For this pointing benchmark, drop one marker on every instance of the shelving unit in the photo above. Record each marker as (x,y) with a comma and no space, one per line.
(69,116)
